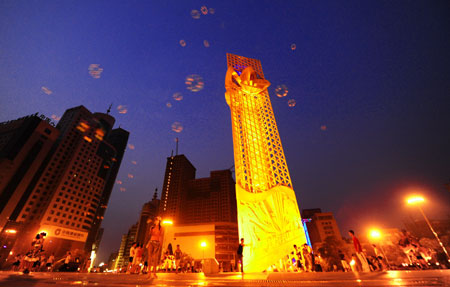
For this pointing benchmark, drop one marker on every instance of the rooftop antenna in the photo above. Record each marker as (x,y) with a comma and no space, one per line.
(176,140)
(171,155)
(109,109)
(155,195)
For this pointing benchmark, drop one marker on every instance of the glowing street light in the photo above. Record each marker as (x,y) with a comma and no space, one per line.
(375,234)
(167,222)
(417,200)
(11,231)
(203,244)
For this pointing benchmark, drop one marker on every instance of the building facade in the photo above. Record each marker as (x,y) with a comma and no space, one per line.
(321,225)
(70,187)
(208,204)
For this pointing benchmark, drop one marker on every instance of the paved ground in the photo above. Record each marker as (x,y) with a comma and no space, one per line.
(390,278)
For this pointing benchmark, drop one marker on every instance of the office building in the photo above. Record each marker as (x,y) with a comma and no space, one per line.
(321,225)
(65,193)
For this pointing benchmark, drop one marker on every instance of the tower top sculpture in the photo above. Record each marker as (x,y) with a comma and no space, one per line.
(268,214)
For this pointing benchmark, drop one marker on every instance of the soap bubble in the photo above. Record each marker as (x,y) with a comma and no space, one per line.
(177,96)
(206,43)
(195,14)
(204,10)
(122,189)
(95,71)
(292,103)
(211,11)
(194,83)
(281,91)
(168,104)
(130,146)
(323,127)
(122,109)
(130,175)
(293,47)
(55,117)
(183,43)
(134,162)
(46,90)
(177,127)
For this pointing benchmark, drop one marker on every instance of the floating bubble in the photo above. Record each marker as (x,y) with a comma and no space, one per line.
(293,47)
(206,43)
(95,71)
(123,189)
(168,104)
(183,43)
(177,127)
(130,146)
(134,162)
(195,14)
(194,83)
(55,117)
(212,11)
(204,10)
(46,90)
(323,127)
(130,175)
(292,103)
(122,109)
(118,181)
(177,96)
(281,91)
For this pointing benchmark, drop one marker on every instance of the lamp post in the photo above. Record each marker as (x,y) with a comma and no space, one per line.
(417,200)
(375,234)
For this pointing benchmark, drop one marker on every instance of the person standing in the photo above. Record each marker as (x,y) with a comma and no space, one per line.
(307,256)
(137,261)
(154,246)
(178,254)
(240,256)
(67,260)
(359,252)
(131,258)
(344,262)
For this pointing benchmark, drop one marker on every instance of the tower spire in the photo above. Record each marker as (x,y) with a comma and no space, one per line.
(176,150)
(109,109)
(155,195)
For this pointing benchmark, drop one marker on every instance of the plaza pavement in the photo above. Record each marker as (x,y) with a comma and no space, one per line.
(390,278)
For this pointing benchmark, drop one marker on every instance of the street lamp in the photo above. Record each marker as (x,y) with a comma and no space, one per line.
(375,234)
(417,200)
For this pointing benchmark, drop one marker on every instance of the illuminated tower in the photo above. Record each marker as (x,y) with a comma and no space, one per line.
(268,215)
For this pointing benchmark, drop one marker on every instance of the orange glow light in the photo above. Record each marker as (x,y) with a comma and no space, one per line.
(415,199)
(88,139)
(12,231)
(167,222)
(203,244)
(264,190)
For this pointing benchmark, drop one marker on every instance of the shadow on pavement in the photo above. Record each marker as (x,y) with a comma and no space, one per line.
(18,280)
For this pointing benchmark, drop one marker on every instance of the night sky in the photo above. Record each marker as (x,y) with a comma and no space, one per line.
(371,81)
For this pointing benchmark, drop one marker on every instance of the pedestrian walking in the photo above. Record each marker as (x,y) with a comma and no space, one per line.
(178,254)
(359,252)
(154,246)
(307,257)
(344,262)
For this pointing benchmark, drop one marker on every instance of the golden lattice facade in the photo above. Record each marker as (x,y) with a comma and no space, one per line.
(268,215)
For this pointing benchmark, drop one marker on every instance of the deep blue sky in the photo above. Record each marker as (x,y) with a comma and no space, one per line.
(376,73)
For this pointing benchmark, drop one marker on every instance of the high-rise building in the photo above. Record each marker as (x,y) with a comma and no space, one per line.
(188,200)
(205,206)
(264,189)
(321,225)
(118,139)
(149,211)
(65,193)
(24,146)
(179,171)
(125,246)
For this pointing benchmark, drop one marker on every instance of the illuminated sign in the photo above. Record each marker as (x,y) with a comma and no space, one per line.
(64,233)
